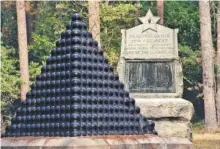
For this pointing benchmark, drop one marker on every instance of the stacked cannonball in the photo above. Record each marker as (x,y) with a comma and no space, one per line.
(77,94)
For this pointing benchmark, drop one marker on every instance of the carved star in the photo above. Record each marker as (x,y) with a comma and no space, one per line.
(149,18)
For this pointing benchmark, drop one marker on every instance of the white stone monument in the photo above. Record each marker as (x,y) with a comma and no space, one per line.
(150,68)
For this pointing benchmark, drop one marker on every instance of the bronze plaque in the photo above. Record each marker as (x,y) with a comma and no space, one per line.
(150,76)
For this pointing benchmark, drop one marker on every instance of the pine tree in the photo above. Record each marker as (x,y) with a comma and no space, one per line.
(160,11)
(207,65)
(218,66)
(94,20)
(23,52)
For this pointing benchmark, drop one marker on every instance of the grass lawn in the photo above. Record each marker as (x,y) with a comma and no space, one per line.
(203,139)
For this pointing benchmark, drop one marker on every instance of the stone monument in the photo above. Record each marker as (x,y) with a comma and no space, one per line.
(150,68)
(77,94)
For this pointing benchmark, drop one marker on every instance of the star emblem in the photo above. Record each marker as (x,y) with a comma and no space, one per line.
(149,18)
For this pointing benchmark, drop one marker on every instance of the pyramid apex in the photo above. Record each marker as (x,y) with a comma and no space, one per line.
(76,16)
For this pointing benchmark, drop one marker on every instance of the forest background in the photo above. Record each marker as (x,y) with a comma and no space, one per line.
(46,20)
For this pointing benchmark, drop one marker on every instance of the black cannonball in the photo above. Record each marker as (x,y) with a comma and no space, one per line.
(42,126)
(57,108)
(76,49)
(52,108)
(62,73)
(68,91)
(62,90)
(76,32)
(155,132)
(83,41)
(89,35)
(84,33)
(37,133)
(75,40)
(49,59)
(151,124)
(106,60)
(89,42)
(137,110)
(63,35)
(76,16)
(68,116)
(38,109)
(68,33)
(95,43)
(77,24)
(101,52)
(132,101)
(84,25)
(58,51)
(57,116)
(68,42)
(47,108)
(68,74)
(68,26)
(51,134)
(62,42)
(62,108)
(58,58)
(43,117)
(58,43)
(63,116)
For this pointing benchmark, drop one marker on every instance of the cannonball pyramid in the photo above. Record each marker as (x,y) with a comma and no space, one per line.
(77,94)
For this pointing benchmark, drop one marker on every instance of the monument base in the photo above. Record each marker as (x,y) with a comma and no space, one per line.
(171,115)
(96,142)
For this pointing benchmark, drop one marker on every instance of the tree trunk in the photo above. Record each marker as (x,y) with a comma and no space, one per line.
(94,20)
(218,66)
(207,65)
(29,20)
(23,52)
(137,13)
(160,11)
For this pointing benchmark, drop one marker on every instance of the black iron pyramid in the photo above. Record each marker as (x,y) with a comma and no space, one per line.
(77,94)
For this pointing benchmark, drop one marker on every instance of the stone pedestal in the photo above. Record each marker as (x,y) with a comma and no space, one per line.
(171,115)
(96,142)
(150,68)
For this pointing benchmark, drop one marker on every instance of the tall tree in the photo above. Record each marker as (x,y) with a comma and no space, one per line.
(28,20)
(218,65)
(160,11)
(207,65)
(23,51)
(137,12)
(94,20)
(30,10)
